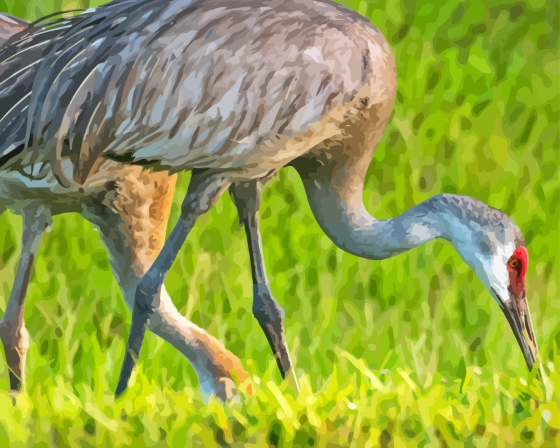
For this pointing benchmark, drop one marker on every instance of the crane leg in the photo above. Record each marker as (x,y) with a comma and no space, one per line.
(212,362)
(13,333)
(134,235)
(268,313)
(203,192)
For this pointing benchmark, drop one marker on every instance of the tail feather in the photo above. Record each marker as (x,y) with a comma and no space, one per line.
(10,25)
(22,47)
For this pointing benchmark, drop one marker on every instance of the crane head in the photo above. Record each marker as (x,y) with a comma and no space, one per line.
(516,307)
(496,251)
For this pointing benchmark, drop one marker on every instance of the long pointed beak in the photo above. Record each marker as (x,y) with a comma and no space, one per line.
(519,317)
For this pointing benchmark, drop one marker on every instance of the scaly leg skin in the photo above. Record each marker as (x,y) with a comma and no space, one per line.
(269,315)
(13,333)
(204,190)
(134,235)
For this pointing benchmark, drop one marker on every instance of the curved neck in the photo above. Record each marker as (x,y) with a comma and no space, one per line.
(354,230)
(334,191)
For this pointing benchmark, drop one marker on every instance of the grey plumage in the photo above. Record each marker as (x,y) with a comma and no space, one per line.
(196,84)
(10,25)
(480,217)
(20,58)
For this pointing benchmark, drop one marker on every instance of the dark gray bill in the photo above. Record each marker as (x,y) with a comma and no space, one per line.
(517,313)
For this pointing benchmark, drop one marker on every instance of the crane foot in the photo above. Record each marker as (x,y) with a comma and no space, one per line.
(274,332)
(15,340)
(140,317)
(270,317)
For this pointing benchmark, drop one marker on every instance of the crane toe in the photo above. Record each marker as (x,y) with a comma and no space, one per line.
(270,317)
(15,340)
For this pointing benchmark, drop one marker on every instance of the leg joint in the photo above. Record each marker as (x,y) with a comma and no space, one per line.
(265,307)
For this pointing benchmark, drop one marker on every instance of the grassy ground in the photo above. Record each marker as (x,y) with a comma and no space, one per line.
(406,352)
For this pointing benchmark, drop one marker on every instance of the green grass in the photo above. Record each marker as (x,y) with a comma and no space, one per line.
(409,351)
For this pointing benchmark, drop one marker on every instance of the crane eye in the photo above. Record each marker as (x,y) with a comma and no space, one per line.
(513,263)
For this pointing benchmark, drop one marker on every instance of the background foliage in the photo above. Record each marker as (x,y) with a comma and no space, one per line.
(408,351)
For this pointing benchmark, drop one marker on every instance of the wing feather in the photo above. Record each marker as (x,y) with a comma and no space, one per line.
(20,58)
(190,83)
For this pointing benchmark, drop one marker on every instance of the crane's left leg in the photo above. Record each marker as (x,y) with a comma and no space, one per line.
(13,333)
(267,311)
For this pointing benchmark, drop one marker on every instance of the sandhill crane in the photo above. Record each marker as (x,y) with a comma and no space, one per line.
(130,206)
(234,90)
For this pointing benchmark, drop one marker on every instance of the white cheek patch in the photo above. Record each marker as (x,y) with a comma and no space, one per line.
(497,273)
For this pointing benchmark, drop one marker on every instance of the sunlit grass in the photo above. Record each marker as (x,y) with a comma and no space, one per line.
(354,406)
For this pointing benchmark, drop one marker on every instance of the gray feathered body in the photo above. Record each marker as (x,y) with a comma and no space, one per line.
(19,61)
(240,85)
(24,184)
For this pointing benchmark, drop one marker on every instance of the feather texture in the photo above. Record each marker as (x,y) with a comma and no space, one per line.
(20,58)
(237,85)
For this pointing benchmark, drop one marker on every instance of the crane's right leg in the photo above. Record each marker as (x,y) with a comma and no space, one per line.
(132,215)
(203,192)
(13,333)
(267,311)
